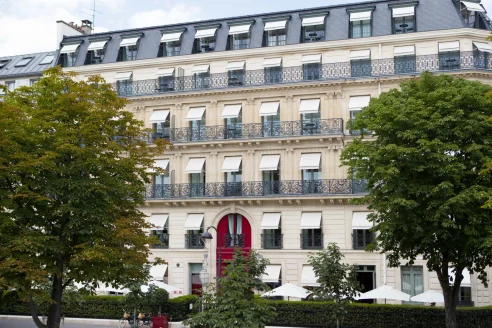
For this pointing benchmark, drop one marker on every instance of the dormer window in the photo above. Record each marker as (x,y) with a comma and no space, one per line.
(403,19)
(360,24)
(4,62)
(205,40)
(96,52)
(471,13)
(313,29)
(239,37)
(68,55)
(170,44)
(128,48)
(275,33)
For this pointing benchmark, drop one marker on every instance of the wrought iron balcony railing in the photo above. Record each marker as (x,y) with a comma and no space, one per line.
(327,71)
(313,240)
(361,238)
(271,241)
(256,189)
(231,240)
(193,241)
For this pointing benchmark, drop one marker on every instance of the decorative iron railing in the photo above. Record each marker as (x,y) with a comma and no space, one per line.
(361,238)
(193,241)
(328,71)
(271,241)
(256,189)
(312,240)
(231,240)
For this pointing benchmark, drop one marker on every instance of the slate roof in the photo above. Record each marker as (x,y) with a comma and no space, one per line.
(33,68)
(430,15)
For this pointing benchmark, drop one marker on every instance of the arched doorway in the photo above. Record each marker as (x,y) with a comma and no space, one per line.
(234,230)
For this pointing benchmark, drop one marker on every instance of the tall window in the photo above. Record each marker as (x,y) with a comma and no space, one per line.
(161,130)
(311,71)
(236,77)
(68,59)
(312,239)
(233,182)
(233,127)
(405,64)
(201,80)
(271,182)
(471,14)
(238,41)
(128,52)
(271,125)
(360,67)
(480,58)
(360,29)
(404,24)
(169,49)
(125,87)
(465,296)
(412,280)
(275,38)
(311,123)
(95,56)
(196,283)
(10,85)
(449,60)
(198,129)
(311,181)
(193,240)
(313,33)
(162,236)
(362,238)
(197,183)
(273,74)
(234,237)
(203,45)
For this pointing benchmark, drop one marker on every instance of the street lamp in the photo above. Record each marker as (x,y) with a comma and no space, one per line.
(207,236)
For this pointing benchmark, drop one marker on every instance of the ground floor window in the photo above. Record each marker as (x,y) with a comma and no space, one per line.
(412,281)
(366,275)
(196,284)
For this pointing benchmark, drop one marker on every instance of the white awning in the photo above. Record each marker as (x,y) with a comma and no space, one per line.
(231,111)
(404,51)
(449,46)
(200,69)
(272,274)
(159,116)
(308,277)
(165,71)
(309,106)
(69,48)
(360,221)
(195,114)
(159,220)
(122,76)
(161,163)
(483,46)
(311,220)
(269,162)
(359,102)
(472,6)
(232,164)
(363,15)
(310,161)
(403,11)
(360,54)
(157,272)
(272,62)
(195,165)
(466,282)
(269,108)
(205,33)
(270,221)
(278,25)
(310,21)
(171,37)
(239,29)
(193,222)
(233,66)
(129,42)
(97,45)
(311,59)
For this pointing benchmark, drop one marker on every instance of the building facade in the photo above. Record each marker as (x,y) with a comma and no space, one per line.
(256,108)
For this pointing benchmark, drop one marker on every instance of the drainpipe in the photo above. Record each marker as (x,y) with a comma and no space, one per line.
(379,90)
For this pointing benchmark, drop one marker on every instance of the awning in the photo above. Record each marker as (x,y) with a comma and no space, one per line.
(239,29)
(404,51)
(311,220)
(171,37)
(481,46)
(472,6)
(308,277)
(310,161)
(269,108)
(270,221)
(232,164)
(278,25)
(466,282)
(360,54)
(159,220)
(205,33)
(231,111)
(363,15)
(359,102)
(195,114)
(195,165)
(165,71)
(129,41)
(161,163)
(157,272)
(97,45)
(234,66)
(360,221)
(403,11)
(272,62)
(310,21)
(193,222)
(122,76)
(449,46)
(272,274)
(269,162)
(200,69)
(309,106)
(311,59)
(159,116)
(69,48)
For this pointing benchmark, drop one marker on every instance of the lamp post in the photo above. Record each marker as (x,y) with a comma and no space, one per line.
(207,236)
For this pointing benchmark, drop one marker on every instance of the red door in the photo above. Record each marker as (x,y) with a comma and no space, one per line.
(234,230)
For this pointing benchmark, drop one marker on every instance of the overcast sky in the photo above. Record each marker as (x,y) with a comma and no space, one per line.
(29,26)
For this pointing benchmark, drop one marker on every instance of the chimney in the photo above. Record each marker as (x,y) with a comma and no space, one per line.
(86,27)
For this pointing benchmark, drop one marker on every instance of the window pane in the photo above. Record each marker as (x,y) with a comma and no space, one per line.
(314,33)
(366,28)
(356,30)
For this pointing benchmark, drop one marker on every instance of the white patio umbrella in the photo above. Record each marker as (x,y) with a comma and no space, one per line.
(386,292)
(288,290)
(159,284)
(106,289)
(430,296)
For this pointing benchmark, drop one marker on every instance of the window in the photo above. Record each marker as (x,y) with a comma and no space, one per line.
(360,67)
(203,45)
(273,74)
(312,239)
(276,38)
(360,29)
(313,33)
(271,125)
(233,182)
(272,238)
(405,64)
(10,85)
(362,238)
(366,276)
(232,121)
(311,71)
(238,41)
(198,129)
(68,59)
(311,181)
(235,237)
(169,49)
(403,20)
(465,296)
(128,49)
(95,56)
(449,60)
(24,61)
(201,80)
(481,54)
(412,281)
(196,283)
(193,240)
(32,82)
(161,130)
(311,124)
(162,236)
(471,13)
(4,62)
(197,184)
(125,87)
(47,60)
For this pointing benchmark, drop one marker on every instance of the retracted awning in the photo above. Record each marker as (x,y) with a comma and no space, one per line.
(310,161)
(360,54)
(359,102)
(195,114)
(200,69)
(165,71)
(311,220)
(161,163)
(358,16)
(404,51)
(195,165)
(308,277)
(232,164)
(360,221)
(206,33)
(309,106)
(159,221)
(473,6)
(449,46)
(269,162)
(272,62)
(481,46)
(277,25)
(171,37)
(123,76)
(310,21)
(234,66)
(270,221)
(97,45)
(157,272)
(311,59)
(193,221)
(69,48)
(159,116)
(272,274)
(403,11)
(269,108)
(231,111)
(129,41)
(239,29)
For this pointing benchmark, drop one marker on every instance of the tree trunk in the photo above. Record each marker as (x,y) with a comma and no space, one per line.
(34,315)
(450,294)
(54,312)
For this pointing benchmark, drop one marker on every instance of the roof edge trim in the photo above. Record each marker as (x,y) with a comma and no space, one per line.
(403,4)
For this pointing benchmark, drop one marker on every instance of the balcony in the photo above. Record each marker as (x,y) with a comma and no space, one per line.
(312,240)
(194,241)
(297,74)
(272,241)
(256,189)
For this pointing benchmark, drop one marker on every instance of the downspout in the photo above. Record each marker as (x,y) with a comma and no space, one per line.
(379,91)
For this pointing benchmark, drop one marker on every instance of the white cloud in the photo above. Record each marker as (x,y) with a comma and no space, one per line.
(179,13)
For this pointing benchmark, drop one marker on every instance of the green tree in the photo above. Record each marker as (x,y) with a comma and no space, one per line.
(233,305)
(73,169)
(423,175)
(337,281)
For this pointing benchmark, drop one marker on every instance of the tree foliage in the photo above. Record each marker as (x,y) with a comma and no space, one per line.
(72,174)
(433,138)
(233,305)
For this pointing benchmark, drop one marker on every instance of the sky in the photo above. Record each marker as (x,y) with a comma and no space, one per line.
(29,26)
